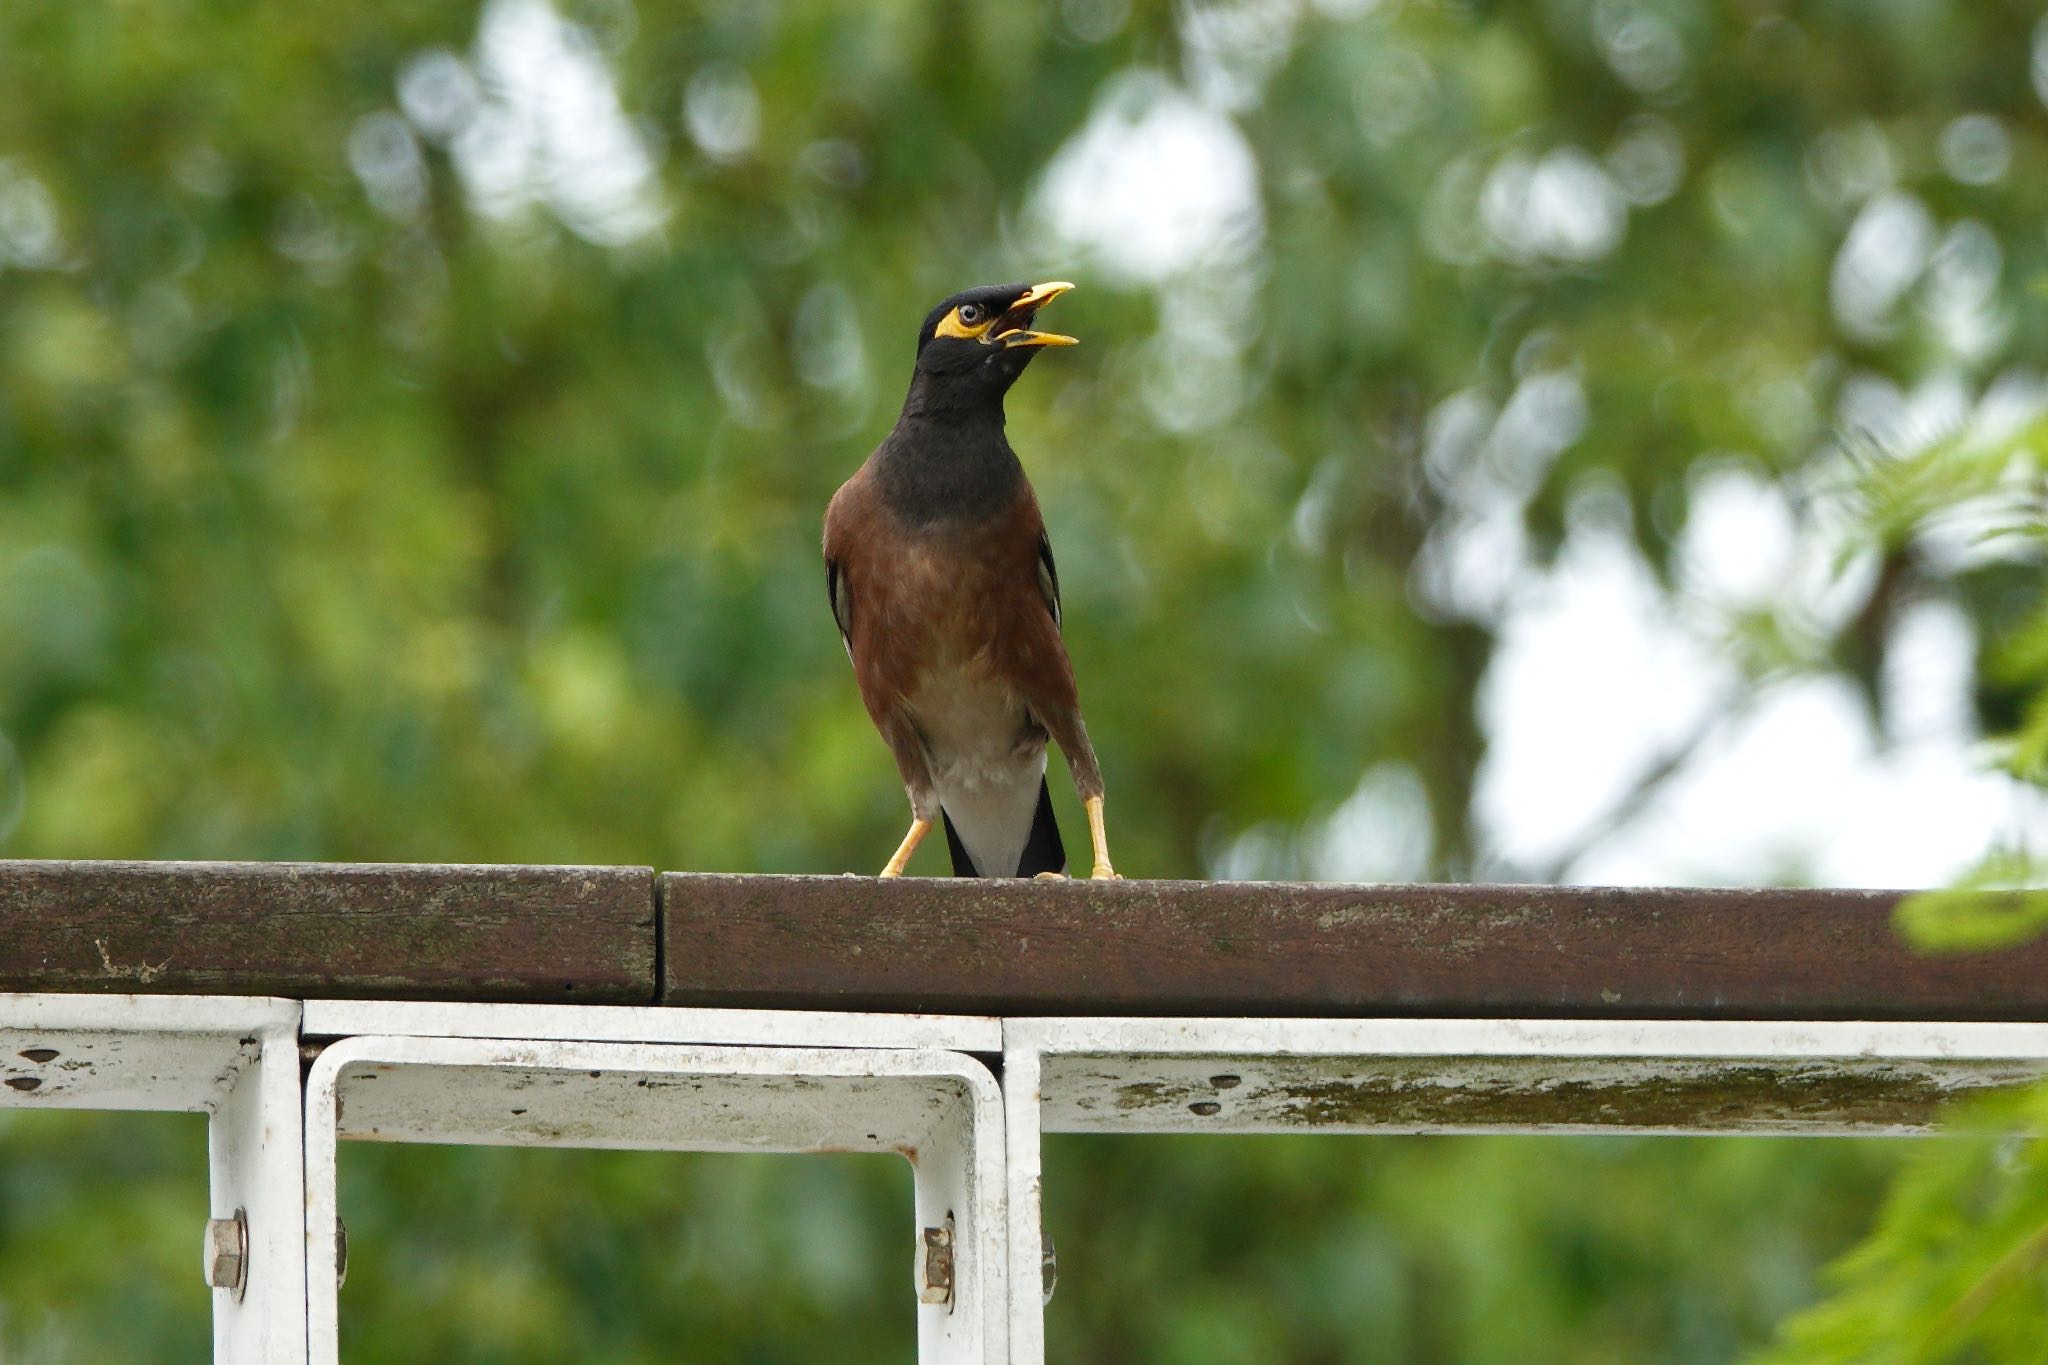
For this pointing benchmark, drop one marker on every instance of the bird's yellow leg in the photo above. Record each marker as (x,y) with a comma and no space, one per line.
(918,829)
(1096,836)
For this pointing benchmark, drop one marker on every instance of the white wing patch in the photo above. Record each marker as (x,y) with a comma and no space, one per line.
(1049,579)
(841,595)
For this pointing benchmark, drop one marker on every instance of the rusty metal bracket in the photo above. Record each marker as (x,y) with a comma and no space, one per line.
(935,1263)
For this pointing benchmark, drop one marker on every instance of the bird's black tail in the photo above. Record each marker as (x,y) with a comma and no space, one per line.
(1043,851)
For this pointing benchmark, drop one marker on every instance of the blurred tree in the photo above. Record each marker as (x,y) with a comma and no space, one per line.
(1956,1266)
(415,421)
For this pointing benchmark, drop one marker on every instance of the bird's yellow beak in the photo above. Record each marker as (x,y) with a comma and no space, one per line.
(1013,328)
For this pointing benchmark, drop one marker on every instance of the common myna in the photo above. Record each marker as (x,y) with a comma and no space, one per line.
(942,582)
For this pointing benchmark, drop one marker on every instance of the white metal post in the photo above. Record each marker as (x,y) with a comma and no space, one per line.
(942,1109)
(234,1059)
(1030,1242)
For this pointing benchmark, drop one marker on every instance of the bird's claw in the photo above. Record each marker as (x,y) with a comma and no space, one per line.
(1048,876)
(1105,873)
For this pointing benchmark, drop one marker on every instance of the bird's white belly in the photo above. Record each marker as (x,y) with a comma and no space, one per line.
(984,765)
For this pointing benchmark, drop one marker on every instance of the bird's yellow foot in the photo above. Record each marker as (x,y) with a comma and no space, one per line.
(1048,876)
(1097,837)
(918,829)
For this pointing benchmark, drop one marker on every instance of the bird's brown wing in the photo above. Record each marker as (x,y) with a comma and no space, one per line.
(1030,652)
(847,518)
(850,536)
(865,601)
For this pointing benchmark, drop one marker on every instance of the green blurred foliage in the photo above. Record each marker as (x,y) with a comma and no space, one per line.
(1956,1266)
(1493,1249)
(1998,905)
(344,519)
(514,1255)
(99,1220)
(361,497)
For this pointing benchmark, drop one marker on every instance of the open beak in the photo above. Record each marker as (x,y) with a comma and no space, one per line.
(1013,328)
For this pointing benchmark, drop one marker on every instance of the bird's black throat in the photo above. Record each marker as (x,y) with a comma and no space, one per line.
(948,466)
(948,459)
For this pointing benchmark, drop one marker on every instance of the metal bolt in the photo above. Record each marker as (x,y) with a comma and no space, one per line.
(1205,1108)
(226,1251)
(935,1264)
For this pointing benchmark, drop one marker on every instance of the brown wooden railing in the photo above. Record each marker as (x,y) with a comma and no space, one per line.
(625,935)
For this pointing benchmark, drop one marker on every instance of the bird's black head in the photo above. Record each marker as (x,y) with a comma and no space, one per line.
(973,346)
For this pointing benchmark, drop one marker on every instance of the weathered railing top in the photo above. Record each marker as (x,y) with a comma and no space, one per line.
(627,935)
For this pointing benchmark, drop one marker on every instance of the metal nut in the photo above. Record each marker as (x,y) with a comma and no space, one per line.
(227,1252)
(935,1264)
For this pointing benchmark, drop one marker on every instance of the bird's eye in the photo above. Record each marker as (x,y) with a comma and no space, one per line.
(970,313)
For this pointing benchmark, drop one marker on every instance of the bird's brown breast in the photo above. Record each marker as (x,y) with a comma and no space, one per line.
(951,605)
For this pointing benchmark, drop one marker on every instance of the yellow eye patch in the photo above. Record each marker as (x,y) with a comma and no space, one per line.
(951,326)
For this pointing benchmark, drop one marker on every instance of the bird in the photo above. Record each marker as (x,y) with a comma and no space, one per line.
(942,583)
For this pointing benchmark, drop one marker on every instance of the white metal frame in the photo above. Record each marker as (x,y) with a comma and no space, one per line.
(810,1081)
(234,1059)
(1102,1075)
(651,1024)
(939,1107)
